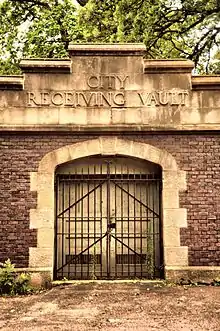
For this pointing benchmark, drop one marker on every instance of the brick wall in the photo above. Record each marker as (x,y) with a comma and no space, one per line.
(198,155)
(19,156)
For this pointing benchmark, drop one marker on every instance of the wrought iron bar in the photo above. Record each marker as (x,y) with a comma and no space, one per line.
(136,199)
(85,250)
(80,199)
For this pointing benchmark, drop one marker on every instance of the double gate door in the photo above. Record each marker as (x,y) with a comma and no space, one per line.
(108,223)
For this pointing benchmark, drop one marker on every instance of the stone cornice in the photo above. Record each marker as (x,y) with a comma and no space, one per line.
(206,82)
(11,82)
(117,49)
(168,66)
(46,65)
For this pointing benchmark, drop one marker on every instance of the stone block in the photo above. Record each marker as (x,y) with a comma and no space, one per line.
(174,179)
(107,145)
(45,238)
(41,218)
(40,257)
(171,236)
(33,181)
(176,217)
(176,256)
(170,198)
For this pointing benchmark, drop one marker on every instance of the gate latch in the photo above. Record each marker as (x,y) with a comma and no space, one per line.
(112,225)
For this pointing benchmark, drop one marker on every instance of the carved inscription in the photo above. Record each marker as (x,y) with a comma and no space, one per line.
(107,81)
(76,99)
(106,91)
(164,98)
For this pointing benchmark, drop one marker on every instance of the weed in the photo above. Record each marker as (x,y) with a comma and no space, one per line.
(12,283)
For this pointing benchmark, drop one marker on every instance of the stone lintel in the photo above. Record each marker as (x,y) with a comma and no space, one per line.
(206,83)
(11,82)
(46,65)
(117,49)
(168,66)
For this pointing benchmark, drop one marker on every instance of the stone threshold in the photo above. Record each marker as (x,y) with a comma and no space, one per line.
(149,282)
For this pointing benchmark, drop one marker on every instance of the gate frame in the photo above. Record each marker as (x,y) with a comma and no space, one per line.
(41,258)
(64,181)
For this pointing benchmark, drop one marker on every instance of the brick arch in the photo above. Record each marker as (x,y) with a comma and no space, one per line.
(42,181)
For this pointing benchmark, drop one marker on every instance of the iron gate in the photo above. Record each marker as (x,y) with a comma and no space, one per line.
(108,224)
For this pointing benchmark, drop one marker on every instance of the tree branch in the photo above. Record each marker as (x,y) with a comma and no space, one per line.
(82,2)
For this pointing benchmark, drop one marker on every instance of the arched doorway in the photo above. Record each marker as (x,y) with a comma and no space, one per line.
(41,257)
(108,219)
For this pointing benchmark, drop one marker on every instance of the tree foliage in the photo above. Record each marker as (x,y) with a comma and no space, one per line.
(169,28)
(35,28)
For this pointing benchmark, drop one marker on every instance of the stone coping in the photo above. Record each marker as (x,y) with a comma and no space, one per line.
(168,66)
(46,65)
(108,49)
(12,82)
(208,82)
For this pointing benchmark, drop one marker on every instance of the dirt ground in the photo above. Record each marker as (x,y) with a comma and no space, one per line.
(112,306)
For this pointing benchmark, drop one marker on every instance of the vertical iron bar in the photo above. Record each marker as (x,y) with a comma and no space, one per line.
(88,199)
(128,228)
(122,224)
(63,229)
(148,223)
(153,227)
(108,221)
(82,225)
(75,223)
(141,227)
(69,236)
(101,220)
(94,223)
(161,262)
(135,249)
(56,226)
(115,221)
